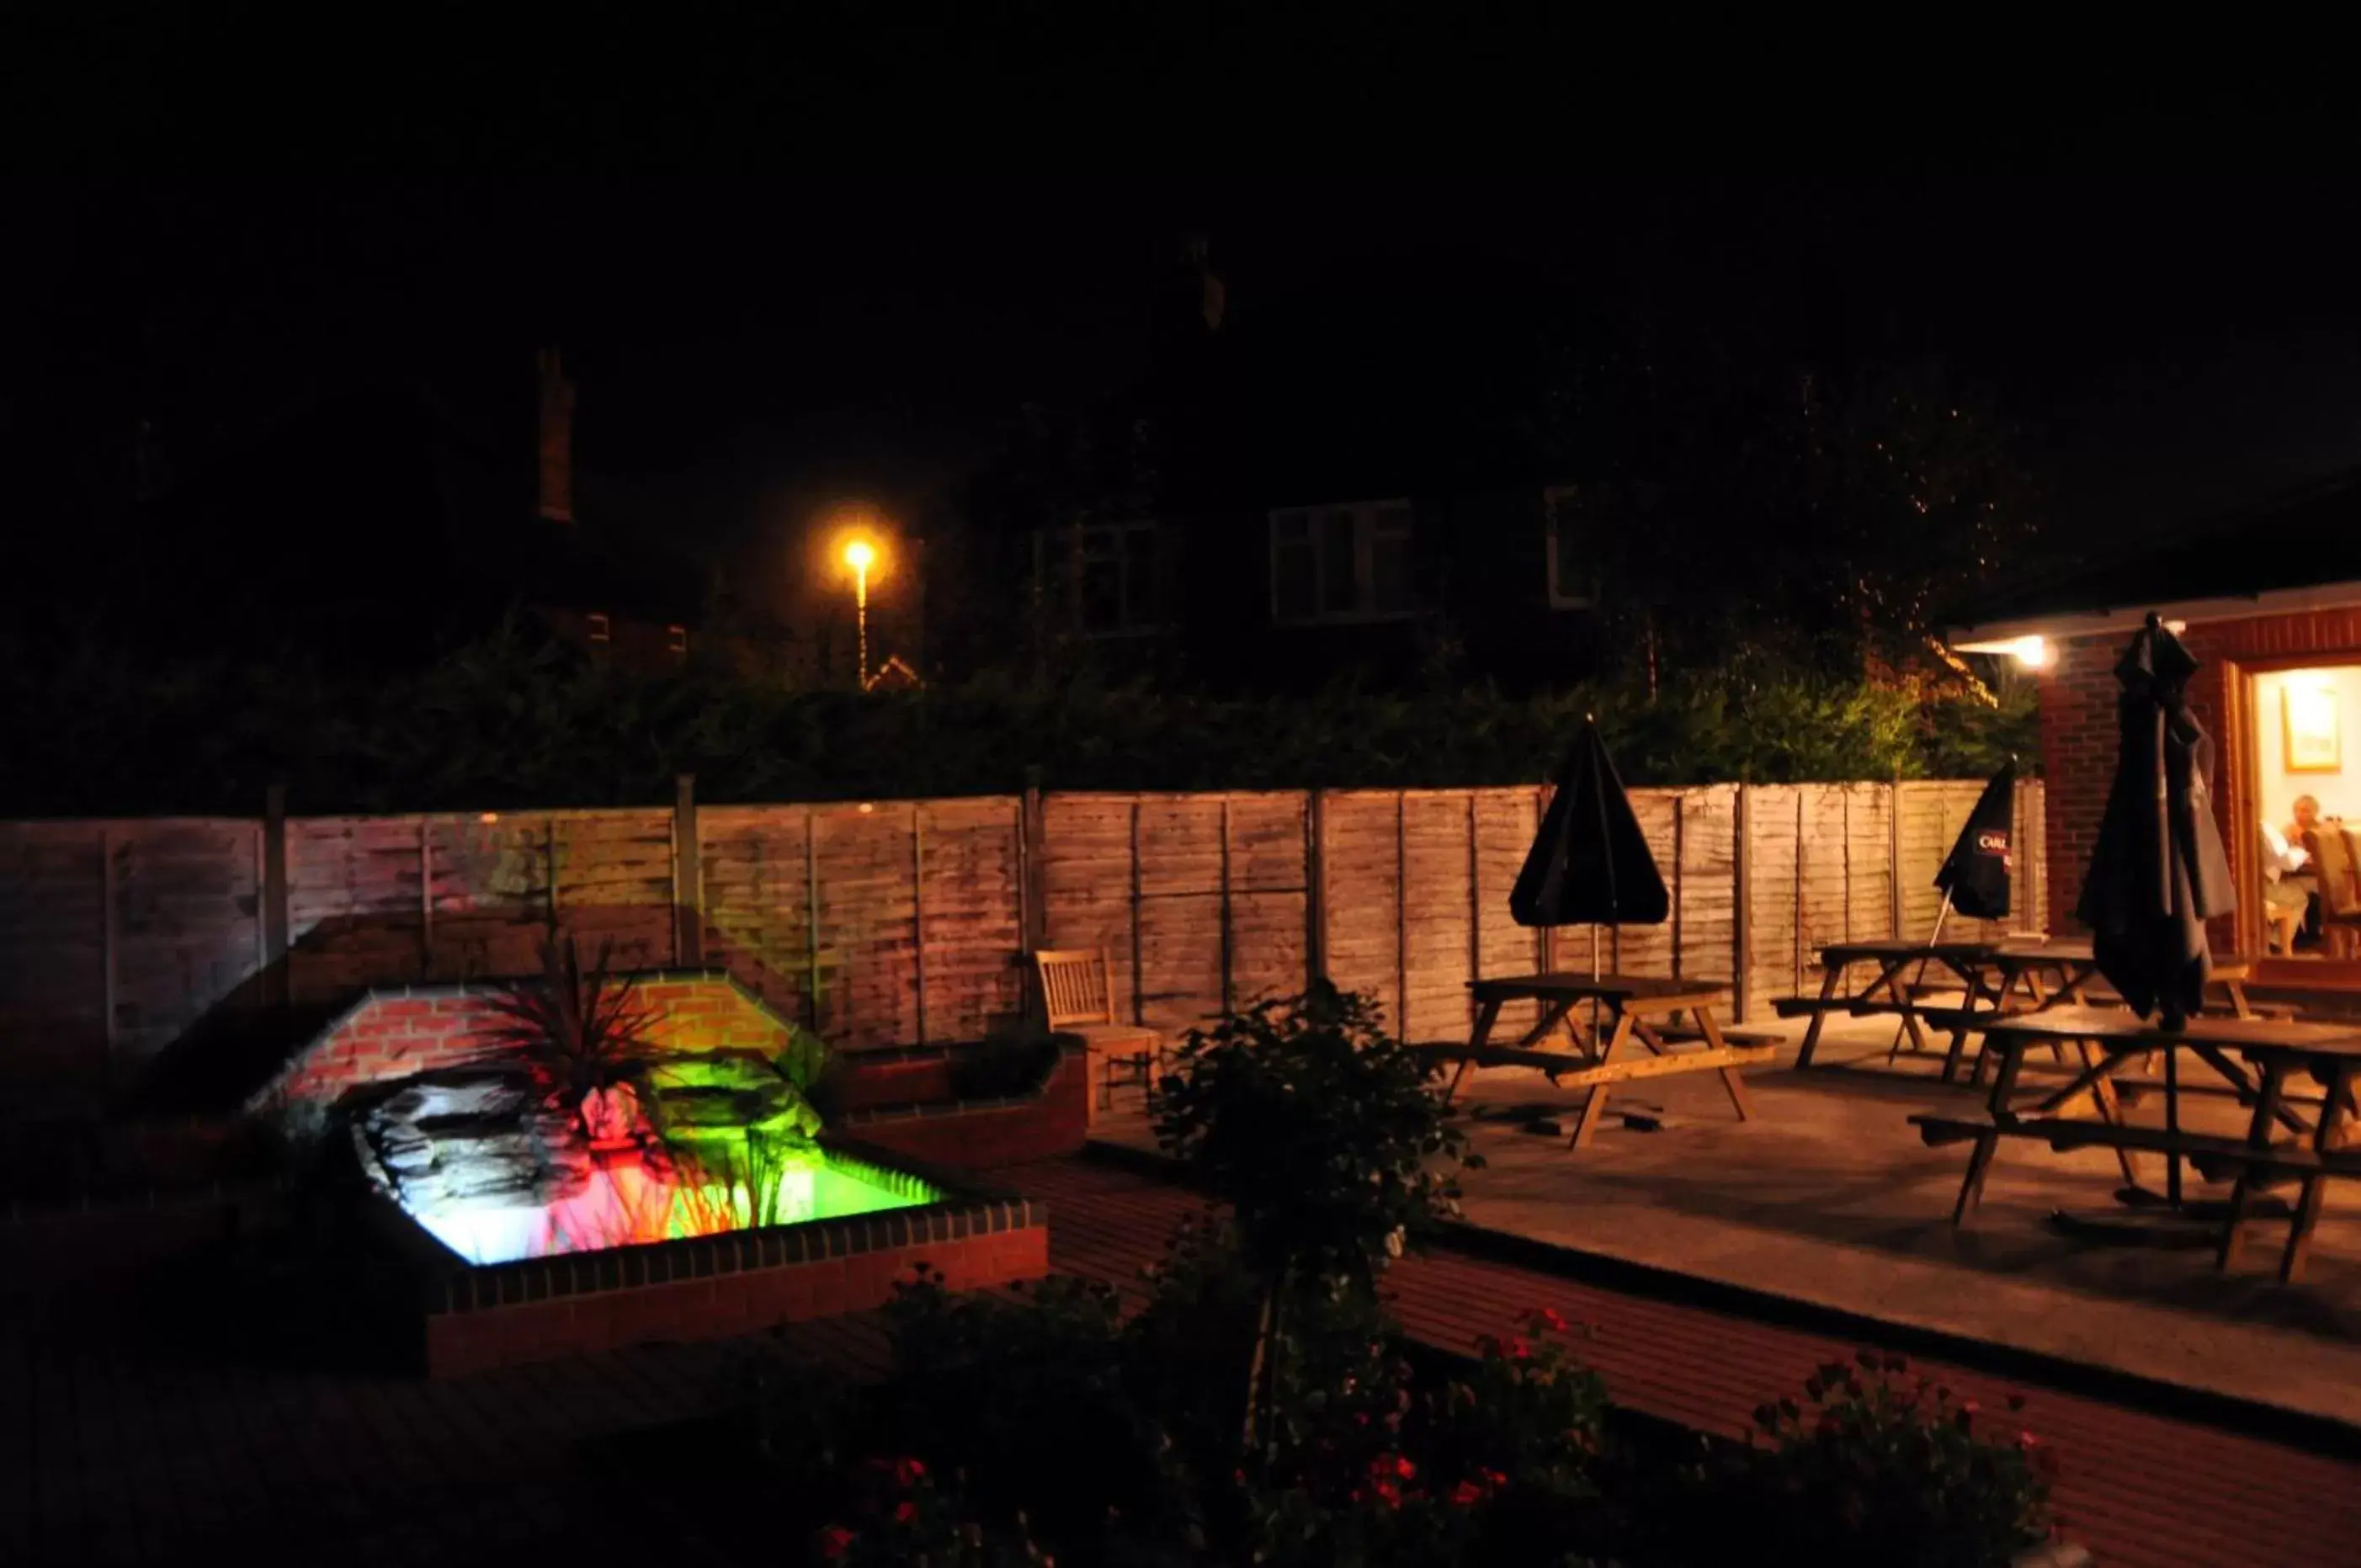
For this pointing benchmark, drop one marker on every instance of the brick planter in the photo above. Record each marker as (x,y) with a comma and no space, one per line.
(705,1288)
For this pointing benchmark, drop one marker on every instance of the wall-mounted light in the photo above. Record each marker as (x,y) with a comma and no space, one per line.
(2033,651)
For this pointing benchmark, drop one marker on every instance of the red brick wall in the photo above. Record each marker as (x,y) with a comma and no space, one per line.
(2078,731)
(1055,1122)
(393,1034)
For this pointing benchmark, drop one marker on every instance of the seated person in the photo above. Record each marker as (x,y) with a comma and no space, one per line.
(2287,898)
(2307,820)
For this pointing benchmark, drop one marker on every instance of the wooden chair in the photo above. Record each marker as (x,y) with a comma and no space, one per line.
(1078,998)
(2340,889)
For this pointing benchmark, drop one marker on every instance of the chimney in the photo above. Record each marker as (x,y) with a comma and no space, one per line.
(556,439)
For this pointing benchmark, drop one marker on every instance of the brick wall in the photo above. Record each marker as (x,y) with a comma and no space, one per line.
(2077,732)
(392,1034)
(980,1135)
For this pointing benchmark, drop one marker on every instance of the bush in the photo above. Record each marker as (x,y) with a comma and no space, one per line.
(514,722)
(1869,1469)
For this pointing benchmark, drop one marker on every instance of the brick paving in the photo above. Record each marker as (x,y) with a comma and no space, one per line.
(117,1448)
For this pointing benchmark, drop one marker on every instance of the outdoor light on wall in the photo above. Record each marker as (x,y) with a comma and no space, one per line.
(2032,651)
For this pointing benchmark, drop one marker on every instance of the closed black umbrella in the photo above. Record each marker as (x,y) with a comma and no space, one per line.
(1975,877)
(2157,872)
(1589,864)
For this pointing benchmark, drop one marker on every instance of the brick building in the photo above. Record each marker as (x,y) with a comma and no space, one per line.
(2268,600)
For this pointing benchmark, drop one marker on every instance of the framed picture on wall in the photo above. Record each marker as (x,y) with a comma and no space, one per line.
(2308,724)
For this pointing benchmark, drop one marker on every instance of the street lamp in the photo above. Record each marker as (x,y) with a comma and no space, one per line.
(860,556)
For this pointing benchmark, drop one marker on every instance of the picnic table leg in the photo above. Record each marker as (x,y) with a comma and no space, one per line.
(2108,1109)
(2307,1205)
(1739,1099)
(1595,1106)
(1971,1190)
(2258,1135)
(2238,1004)
(1828,978)
(1485,1018)
(1553,1014)
(2172,1123)
(1960,1033)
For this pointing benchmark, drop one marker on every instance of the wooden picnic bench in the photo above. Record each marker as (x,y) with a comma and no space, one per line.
(1888,992)
(2256,1056)
(1637,1009)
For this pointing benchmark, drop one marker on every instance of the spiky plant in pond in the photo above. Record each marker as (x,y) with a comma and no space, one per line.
(581,1032)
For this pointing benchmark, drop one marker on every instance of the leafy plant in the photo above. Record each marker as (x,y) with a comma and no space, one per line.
(580,1032)
(1868,1468)
(1326,1140)
(905,1518)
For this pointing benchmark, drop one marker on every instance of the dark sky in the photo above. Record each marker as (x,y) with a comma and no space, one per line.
(2169,346)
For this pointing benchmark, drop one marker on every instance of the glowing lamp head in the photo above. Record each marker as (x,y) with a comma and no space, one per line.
(2033,653)
(860,555)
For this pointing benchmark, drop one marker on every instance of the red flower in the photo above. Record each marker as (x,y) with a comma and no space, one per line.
(1544,1318)
(1404,1468)
(1467,1493)
(1519,1350)
(905,1511)
(908,1472)
(835,1540)
(1388,1493)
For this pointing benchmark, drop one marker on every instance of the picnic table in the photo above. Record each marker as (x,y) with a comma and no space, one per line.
(1888,992)
(2256,1056)
(1634,1009)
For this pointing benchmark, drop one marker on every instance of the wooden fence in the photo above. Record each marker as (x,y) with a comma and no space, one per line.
(889,923)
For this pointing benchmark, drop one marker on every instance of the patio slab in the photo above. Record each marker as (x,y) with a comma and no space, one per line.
(1828,1197)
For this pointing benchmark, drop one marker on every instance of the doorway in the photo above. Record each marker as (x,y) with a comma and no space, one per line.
(2302,804)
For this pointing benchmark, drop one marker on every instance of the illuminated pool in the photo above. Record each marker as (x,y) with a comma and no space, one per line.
(628,1201)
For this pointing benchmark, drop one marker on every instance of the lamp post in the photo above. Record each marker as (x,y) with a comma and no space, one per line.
(860,555)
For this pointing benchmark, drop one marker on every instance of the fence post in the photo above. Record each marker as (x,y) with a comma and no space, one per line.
(1680,875)
(1893,857)
(1741,893)
(1799,946)
(1227,1003)
(1475,911)
(1315,887)
(918,912)
(688,877)
(1139,990)
(1032,871)
(277,989)
(811,916)
(106,958)
(1402,914)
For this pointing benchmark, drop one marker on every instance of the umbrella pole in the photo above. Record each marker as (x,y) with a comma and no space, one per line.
(1593,975)
(1904,1021)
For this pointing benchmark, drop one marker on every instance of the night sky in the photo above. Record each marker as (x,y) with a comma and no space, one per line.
(750,350)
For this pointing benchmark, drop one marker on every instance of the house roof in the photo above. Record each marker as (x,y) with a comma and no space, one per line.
(2298,551)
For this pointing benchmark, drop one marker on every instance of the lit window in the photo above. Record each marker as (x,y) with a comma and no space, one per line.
(1341,562)
(676,640)
(1566,537)
(598,625)
(1110,577)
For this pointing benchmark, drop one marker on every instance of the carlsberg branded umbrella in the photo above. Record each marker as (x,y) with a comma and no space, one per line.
(1975,877)
(2157,872)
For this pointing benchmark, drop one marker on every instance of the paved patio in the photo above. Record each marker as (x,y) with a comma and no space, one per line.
(1829,1198)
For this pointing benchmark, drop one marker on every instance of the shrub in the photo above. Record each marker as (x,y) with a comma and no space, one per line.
(1868,1468)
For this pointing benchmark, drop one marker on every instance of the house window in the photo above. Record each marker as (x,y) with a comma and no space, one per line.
(598,627)
(1571,566)
(677,641)
(1110,575)
(1341,562)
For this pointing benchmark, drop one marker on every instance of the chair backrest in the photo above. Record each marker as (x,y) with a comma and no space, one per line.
(1074,986)
(2340,892)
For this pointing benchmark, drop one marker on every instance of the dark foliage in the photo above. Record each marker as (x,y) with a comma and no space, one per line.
(515,722)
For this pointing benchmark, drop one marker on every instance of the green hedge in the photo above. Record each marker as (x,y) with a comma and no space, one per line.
(511,723)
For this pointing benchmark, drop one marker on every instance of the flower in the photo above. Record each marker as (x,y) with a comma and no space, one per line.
(1544,1318)
(1519,1349)
(835,1540)
(1465,1494)
(905,1511)
(908,1472)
